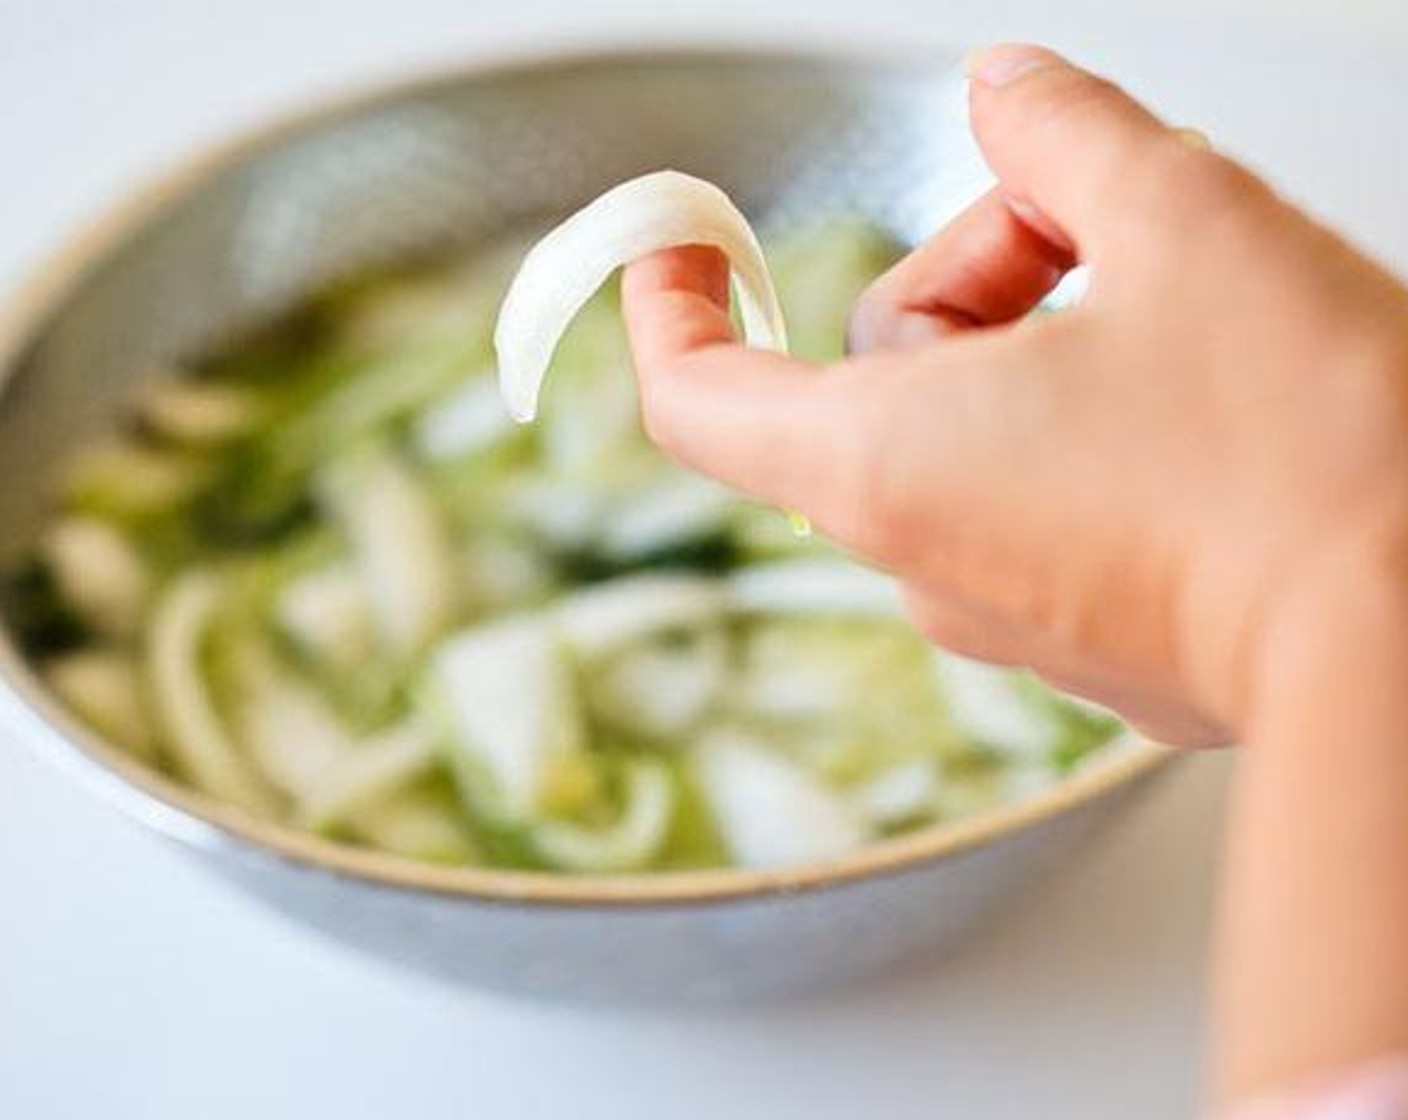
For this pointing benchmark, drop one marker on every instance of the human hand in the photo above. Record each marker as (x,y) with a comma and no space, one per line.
(1125,496)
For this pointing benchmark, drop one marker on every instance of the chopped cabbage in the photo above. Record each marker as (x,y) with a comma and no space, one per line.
(327,579)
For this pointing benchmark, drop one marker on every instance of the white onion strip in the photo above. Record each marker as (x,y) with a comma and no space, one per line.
(661,210)
(195,733)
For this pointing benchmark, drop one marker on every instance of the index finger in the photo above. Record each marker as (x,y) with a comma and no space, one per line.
(675,302)
(778,428)
(1091,158)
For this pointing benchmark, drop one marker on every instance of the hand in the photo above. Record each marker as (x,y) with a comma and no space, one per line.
(1186,498)
(1125,496)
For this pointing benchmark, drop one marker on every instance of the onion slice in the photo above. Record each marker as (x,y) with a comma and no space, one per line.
(627,844)
(770,811)
(195,733)
(661,210)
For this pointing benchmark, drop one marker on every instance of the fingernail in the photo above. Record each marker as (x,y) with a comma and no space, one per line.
(1194,138)
(1003,64)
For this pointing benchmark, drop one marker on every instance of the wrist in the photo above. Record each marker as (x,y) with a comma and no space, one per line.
(1339,630)
(1315,904)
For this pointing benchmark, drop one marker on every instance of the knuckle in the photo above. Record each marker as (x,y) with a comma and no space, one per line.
(1177,179)
(869,316)
(1124,157)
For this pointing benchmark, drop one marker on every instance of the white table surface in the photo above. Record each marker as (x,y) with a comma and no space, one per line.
(133,988)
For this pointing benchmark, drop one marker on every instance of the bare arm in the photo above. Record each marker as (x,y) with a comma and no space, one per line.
(1313,962)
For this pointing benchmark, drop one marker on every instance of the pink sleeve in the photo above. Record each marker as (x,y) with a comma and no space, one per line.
(1377,1092)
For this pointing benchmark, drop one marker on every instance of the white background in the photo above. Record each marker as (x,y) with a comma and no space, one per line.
(132,988)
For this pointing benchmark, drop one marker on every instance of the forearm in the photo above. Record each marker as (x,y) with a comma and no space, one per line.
(1313,952)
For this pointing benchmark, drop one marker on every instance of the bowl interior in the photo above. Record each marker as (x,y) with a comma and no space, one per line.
(425,168)
(452,162)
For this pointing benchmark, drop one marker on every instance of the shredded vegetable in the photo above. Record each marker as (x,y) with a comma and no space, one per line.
(199,742)
(325,579)
(772,811)
(656,211)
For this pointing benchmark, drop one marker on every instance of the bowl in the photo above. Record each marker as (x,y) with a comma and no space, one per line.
(456,159)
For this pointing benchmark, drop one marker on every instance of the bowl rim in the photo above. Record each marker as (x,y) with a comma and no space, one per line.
(28,708)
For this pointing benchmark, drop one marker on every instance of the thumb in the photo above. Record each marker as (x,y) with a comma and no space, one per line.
(1075,152)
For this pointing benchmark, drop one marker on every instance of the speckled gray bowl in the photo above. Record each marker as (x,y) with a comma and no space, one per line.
(454,159)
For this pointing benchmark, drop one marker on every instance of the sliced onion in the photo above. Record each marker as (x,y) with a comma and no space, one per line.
(367,775)
(416,822)
(327,614)
(288,728)
(511,708)
(467,421)
(661,690)
(677,510)
(900,794)
(200,414)
(100,574)
(987,704)
(657,211)
(628,843)
(814,586)
(607,616)
(105,687)
(769,810)
(195,733)
(400,543)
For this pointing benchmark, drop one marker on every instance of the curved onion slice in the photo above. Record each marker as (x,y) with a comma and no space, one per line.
(657,211)
(195,733)
(284,722)
(628,843)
